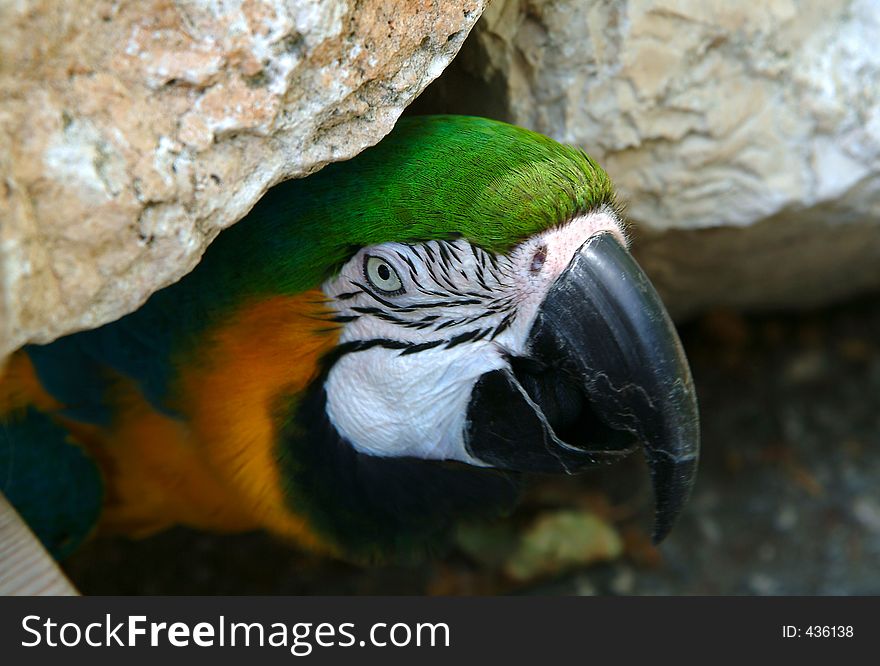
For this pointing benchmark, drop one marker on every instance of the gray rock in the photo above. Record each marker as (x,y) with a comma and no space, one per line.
(132,133)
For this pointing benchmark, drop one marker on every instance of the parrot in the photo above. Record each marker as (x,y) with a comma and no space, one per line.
(373,354)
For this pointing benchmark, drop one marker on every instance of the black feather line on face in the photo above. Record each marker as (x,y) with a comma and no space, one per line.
(481,279)
(493,260)
(421,346)
(430,266)
(467,336)
(453,289)
(487,313)
(364,345)
(430,292)
(408,261)
(482,334)
(446,324)
(504,325)
(375,297)
(482,257)
(454,250)
(445,257)
(406,348)
(439,304)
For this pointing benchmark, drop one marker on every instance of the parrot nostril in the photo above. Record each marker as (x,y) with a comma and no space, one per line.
(538,259)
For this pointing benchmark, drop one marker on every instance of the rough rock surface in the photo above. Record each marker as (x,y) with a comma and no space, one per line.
(131,133)
(745,137)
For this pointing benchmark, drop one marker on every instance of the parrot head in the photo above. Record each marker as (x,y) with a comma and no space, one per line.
(490,322)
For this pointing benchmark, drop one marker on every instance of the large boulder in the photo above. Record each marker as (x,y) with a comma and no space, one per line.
(132,133)
(745,137)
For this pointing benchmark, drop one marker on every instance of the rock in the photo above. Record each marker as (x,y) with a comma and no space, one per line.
(562,540)
(744,137)
(132,133)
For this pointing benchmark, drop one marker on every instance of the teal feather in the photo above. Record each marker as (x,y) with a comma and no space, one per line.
(51,481)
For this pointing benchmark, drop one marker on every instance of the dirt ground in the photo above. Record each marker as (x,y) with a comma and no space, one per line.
(787,499)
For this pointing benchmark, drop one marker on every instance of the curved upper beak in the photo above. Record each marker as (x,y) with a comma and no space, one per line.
(604,372)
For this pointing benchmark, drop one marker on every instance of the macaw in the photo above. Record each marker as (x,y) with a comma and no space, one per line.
(373,353)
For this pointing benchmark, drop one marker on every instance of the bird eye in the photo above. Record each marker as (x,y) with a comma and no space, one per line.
(381,275)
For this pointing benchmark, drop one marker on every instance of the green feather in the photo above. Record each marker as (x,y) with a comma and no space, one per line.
(433,177)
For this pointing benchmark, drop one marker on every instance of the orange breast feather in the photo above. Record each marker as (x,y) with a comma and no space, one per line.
(215,468)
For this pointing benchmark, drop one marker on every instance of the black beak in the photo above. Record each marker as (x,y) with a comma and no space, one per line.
(604,372)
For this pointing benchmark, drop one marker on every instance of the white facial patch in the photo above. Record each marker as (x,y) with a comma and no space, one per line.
(422,322)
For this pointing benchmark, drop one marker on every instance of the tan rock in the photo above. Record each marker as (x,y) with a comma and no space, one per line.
(744,136)
(132,133)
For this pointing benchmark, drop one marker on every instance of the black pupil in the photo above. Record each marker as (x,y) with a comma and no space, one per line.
(383,272)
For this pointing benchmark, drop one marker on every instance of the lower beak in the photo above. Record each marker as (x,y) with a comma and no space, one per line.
(604,372)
